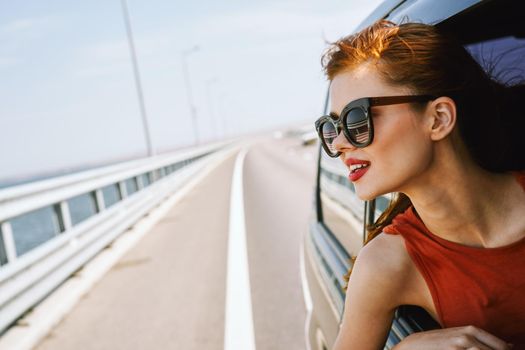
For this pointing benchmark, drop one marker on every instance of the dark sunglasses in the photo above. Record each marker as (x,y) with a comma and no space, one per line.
(356,121)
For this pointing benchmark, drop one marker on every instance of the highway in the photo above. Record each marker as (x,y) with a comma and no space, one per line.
(169,290)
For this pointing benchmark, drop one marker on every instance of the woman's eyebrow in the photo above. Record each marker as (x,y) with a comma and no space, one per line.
(333,115)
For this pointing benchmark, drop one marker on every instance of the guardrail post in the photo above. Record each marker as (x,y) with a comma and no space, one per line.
(99,196)
(9,242)
(155,175)
(140,183)
(65,215)
(122,188)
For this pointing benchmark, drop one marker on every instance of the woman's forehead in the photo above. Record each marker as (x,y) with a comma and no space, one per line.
(360,82)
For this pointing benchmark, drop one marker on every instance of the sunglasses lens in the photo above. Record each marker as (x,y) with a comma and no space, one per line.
(356,122)
(329,134)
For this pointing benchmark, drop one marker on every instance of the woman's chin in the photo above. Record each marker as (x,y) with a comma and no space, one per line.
(364,195)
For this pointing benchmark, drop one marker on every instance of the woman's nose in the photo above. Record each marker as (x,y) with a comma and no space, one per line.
(341,143)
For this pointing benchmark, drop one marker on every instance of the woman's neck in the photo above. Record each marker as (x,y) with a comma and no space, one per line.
(461,202)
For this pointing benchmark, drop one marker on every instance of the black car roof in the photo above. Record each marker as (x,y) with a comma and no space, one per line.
(426,11)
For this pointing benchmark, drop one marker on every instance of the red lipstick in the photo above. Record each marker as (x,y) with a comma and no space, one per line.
(357,168)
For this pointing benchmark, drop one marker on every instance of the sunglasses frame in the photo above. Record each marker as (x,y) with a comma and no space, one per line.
(365,103)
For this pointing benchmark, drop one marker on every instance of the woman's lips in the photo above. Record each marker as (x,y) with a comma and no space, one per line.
(358,168)
(356,174)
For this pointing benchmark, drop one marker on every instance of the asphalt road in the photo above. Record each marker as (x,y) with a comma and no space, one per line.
(168,292)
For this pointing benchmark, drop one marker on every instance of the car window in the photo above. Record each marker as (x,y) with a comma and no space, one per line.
(503,58)
(342,209)
(428,11)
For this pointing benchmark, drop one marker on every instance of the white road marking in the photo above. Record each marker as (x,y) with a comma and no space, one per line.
(304,281)
(238,325)
(307,297)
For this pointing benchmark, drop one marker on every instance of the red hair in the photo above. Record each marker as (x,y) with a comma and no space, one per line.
(414,55)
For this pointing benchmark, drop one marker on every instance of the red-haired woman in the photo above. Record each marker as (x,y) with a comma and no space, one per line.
(413,113)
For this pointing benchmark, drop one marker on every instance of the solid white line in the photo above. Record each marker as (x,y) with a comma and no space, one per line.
(304,281)
(238,325)
(308,303)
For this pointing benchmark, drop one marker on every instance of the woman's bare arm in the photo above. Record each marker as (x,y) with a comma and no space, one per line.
(376,288)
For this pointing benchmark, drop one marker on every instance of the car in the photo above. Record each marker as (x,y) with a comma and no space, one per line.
(492,31)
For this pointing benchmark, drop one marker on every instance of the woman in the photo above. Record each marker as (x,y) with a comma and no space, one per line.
(413,113)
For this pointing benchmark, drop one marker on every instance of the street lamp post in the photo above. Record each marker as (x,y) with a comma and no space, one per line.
(136,75)
(193,112)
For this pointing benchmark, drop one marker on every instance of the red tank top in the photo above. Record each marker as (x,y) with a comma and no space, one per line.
(484,287)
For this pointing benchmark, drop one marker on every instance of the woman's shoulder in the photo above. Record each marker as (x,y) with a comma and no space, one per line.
(381,280)
(386,252)
(386,262)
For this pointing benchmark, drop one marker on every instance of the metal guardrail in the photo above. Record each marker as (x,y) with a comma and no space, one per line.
(118,196)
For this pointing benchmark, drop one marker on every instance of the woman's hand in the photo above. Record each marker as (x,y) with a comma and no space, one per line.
(469,337)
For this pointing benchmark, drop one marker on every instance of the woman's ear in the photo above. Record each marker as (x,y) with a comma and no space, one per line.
(442,115)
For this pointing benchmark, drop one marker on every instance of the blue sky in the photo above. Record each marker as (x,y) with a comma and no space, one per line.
(68,97)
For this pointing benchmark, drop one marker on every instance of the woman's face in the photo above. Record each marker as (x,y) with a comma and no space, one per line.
(401,150)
